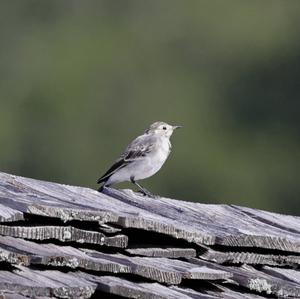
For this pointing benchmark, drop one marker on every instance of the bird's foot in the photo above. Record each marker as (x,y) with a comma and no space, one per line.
(147,193)
(142,190)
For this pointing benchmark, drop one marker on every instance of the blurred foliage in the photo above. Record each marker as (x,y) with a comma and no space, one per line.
(80,79)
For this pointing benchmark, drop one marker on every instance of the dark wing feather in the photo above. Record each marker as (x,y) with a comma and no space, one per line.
(136,153)
(137,149)
(116,166)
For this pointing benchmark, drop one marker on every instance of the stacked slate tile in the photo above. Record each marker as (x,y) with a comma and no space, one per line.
(72,242)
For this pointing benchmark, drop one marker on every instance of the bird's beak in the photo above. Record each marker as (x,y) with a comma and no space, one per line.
(177,127)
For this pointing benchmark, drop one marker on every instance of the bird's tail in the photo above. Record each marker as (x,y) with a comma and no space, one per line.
(103,181)
(104,184)
(101,188)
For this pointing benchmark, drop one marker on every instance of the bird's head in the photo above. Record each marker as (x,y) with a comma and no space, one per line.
(162,129)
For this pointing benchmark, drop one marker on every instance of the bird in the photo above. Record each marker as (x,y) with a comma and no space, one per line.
(142,158)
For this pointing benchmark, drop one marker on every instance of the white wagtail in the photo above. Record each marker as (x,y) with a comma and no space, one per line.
(143,157)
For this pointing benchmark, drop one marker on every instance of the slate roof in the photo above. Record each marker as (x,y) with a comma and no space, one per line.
(73,242)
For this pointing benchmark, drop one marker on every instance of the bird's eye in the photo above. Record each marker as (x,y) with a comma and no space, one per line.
(164,128)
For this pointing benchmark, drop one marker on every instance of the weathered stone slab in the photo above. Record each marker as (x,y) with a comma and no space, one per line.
(168,252)
(128,289)
(8,214)
(63,234)
(49,283)
(230,257)
(158,269)
(193,222)
(265,282)
(60,256)
(221,224)
(165,270)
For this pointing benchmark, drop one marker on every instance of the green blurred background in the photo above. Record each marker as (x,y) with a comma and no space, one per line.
(80,79)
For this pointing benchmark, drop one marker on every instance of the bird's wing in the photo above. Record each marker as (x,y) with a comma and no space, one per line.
(116,166)
(136,150)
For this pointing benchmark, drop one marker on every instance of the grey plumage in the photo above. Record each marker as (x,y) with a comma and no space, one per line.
(143,157)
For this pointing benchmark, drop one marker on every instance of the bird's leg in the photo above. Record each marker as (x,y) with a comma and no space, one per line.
(142,189)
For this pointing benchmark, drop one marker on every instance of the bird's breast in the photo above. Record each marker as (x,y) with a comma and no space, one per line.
(160,155)
(154,161)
